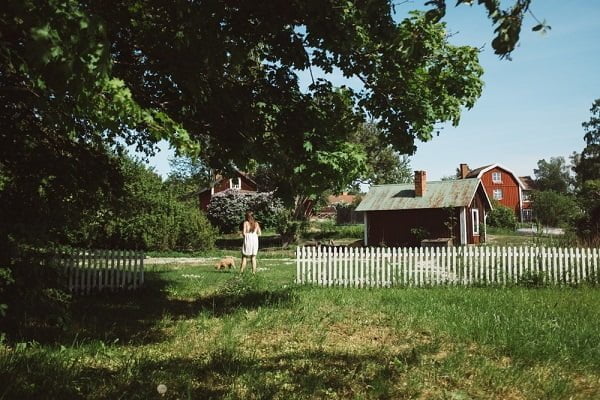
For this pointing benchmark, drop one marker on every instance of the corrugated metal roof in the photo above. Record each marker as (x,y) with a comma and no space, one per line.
(453,193)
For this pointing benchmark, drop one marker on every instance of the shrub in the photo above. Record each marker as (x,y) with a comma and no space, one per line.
(226,209)
(554,209)
(147,215)
(288,227)
(420,233)
(36,302)
(266,208)
(502,217)
(6,279)
(193,231)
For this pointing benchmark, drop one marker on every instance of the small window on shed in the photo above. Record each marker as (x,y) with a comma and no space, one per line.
(497,194)
(496,177)
(475,221)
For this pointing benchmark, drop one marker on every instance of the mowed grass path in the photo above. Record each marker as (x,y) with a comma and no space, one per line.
(213,334)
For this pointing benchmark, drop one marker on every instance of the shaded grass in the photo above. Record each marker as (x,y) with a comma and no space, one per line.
(214,334)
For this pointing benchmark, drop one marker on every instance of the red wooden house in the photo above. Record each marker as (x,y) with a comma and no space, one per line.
(329,211)
(405,214)
(240,181)
(529,188)
(500,184)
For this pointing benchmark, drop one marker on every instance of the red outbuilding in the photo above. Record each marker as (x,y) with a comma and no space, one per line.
(407,214)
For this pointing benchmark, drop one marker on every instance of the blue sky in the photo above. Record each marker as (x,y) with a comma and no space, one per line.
(531,108)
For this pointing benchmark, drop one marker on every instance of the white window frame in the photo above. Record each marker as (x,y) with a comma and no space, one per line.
(497,177)
(475,221)
(500,197)
(463,225)
(237,185)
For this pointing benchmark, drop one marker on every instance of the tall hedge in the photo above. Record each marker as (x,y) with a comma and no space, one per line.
(146,216)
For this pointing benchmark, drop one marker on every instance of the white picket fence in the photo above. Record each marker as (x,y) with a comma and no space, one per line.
(461,265)
(97,270)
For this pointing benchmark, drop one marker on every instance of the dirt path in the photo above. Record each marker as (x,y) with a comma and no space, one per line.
(178,260)
(198,260)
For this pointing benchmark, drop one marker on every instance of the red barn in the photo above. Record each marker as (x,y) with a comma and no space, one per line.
(239,181)
(406,214)
(500,184)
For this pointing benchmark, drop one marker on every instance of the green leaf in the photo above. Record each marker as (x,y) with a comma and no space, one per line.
(538,27)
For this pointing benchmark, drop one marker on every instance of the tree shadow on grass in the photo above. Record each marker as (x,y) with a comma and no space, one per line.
(223,372)
(140,316)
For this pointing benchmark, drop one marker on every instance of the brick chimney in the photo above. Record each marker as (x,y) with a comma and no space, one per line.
(420,183)
(464,171)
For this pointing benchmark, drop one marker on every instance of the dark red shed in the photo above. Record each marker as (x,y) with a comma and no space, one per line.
(405,214)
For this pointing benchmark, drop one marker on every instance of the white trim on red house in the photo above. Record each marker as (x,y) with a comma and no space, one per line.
(475,221)
(497,180)
(484,192)
(521,203)
(463,225)
(486,169)
(500,194)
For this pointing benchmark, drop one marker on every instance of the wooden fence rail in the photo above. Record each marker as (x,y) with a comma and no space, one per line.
(463,265)
(97,270)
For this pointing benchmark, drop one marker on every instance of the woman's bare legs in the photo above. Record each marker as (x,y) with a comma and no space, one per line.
(253,259)
(243,265)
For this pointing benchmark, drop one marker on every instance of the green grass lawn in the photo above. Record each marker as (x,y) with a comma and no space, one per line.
(505,237)
(213,334)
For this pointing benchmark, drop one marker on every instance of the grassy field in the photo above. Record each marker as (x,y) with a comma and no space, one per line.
(212,334)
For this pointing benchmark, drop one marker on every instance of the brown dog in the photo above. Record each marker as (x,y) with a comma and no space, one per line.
(225,262)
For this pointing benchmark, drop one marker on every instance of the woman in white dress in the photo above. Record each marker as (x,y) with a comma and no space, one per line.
(251,231)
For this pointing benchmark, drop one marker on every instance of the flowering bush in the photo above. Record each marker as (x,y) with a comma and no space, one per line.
(226,209)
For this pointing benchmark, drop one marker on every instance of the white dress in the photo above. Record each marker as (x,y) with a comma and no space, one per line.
(250,246)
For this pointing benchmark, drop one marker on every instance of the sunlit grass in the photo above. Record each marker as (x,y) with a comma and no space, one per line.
(218,334)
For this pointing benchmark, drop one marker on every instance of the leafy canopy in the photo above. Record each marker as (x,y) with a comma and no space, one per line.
(383,164)
(79,77)
(554,209)
(553,175)
(227,71)
(587,168)
(588,163)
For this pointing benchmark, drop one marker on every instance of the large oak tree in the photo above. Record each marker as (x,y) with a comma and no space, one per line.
(78,78)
